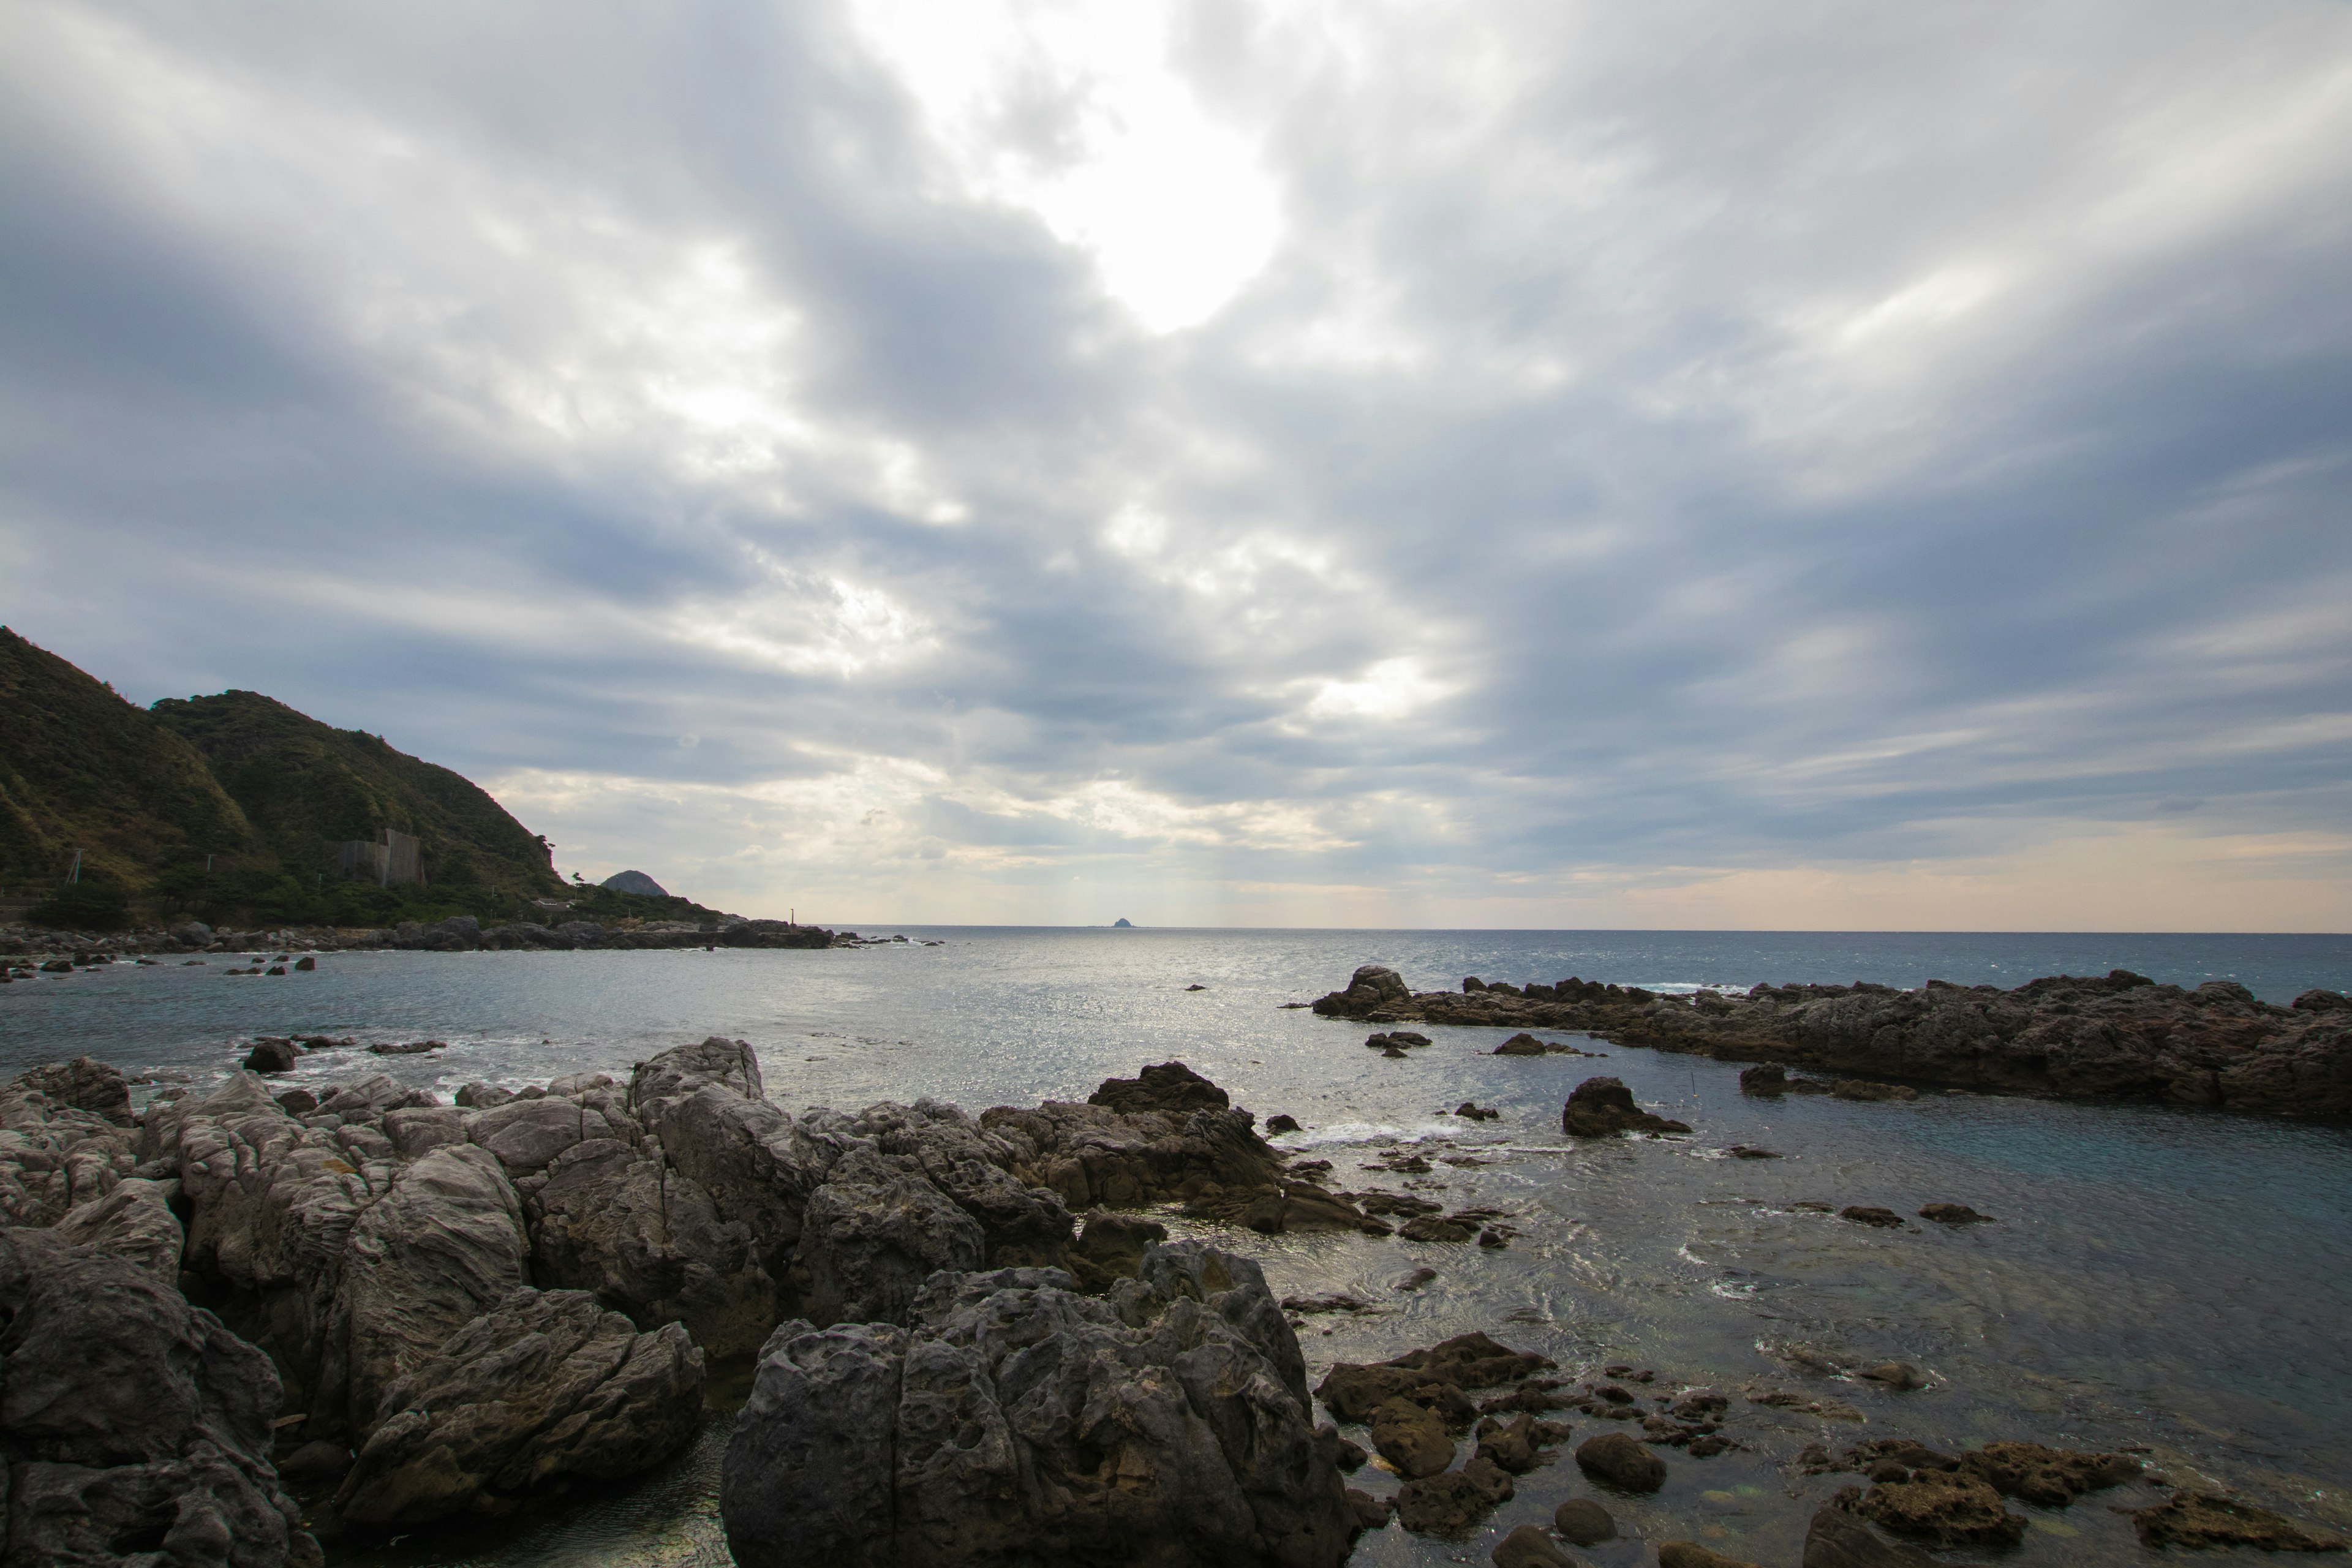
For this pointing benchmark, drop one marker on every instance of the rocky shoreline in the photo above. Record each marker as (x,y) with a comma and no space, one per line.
(2120,1036)
(458,933)
(241,1323)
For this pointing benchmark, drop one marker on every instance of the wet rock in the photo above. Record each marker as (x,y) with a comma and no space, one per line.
(1604,1108)
(1749,1152)
(1370,1512)
(1015,1418)
(1864,1090)
(1948,1509)
(1583,1521)
(546,1387)
(1514,1447)
(1900,1376)
(134,1424)
(1954,1214)
(270,1056)
(1837,1539)
(1521,1044)
(1435,1377)
(84,1083)
(315,1464)
(1452,1503)
(2201,1519)
(1770,1079)
(135,1223)
(1170,1087)
(1437,1228)
(1530,1547)
(1336,1301)
(1413,1280)
(405,1048)
(1472,1111)
(1691,1554)
(1622,1462)
(297,1103)
(1111,1248)
(1275,1125)
(2052,1477)
(1412,1439)
(1864,1215)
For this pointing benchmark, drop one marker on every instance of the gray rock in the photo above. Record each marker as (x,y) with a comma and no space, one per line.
(483,1097)
(84,1083)
(648,1240)
(872,1234)
(443,1246)
(525,1135)
(730,1065)
(1836,1539)
(136,1430)
(135,1223)
(1016,1420)
(54,1157)
(414,1130)
(545,1387)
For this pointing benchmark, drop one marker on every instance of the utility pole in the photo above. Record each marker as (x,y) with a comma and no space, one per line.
(74,874)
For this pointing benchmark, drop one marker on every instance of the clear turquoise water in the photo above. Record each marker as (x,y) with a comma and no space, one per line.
(2165,1278)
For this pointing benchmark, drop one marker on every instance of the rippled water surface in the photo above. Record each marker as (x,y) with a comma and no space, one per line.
(2161,1277)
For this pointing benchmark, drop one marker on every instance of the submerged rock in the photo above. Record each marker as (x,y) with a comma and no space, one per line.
(1622,1462)
(1015,1419)
(1452,1503)
(2201,1519)
(1837,1539)
(1530,1547)
(1948,1509)
(1583,1521)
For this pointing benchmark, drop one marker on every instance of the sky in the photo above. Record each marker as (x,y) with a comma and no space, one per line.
(1552,464)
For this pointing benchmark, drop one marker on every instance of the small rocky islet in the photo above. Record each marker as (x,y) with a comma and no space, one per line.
(352,1311)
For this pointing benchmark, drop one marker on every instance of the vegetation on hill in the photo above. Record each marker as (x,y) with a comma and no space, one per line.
(232,809)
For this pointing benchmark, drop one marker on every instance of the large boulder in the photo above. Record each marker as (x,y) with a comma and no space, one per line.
(84,1083)
(872,1235)
(135,1429)
(1170,1087)
(56,1157)
(1373,988)
(135,1223)
(1604,1108)
(1014,1419)
(545,1387)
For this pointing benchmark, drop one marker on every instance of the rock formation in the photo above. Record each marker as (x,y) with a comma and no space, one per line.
(2119,1036)
(1013,1419)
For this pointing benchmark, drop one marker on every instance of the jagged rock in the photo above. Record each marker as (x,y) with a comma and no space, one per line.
(648,1240)
(1411,1437)
(1279,1124)
(54,1157)
(525,1135)
(1016,1419)
(717,1061)
(1954,1214)
(1454,1503)
(443,1246)
(135,1223)
(1530,1547)
(1172,1088)
(1370,1512)
(270,1055)
(1583,1521)
(1371,988)
(1948,1509)
(545,1386)
(84,1083)
(1622,1462)
(136,1429)
(2052,1477)
(2201,1518)
(1837,1539)
(1111,1248)
(1604,1108)
(1433,1377)
(872,1235)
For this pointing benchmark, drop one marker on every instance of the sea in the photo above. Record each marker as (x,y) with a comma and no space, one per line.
(2171,1281)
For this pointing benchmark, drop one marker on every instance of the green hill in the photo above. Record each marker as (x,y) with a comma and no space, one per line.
(233,807)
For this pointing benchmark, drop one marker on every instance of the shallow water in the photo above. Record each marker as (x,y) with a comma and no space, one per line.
(2169,1278)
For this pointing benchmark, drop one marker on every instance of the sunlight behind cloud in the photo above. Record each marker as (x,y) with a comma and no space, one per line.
(1073,112)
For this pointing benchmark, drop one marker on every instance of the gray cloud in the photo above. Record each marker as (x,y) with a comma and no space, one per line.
(1660,447)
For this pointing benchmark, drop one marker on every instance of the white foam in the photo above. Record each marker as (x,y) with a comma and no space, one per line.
(1343,1132)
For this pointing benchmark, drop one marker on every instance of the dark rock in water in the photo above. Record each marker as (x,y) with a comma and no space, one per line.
(1770,1079)
(1196,987)
(1370,1512)
(1749,1152)
(988,1430)
(1900,1376)
(1691,1554)
(1122,923)
(1837,1539)
(1583,1521)
(1454,1503)
(1395,1052)
(305,965)
(1370,988)
(1954,1213)
(1864,1090)
(1412,1438)
(1863,1213)
(1473,1111)
(317,1464)
(1433,1377)
(1514,1447)
(270,1056)
(1280,1124)
(2201,1518)
(1528,1547)
(411,1048)
(1433,1228)
(636,882)
(1414,1280)
(1170,1087)
(2052,1477)
(1949,1510)
(1521,1044)
(84,1083)
(134,1424)
(1622,1462)
(547,1387)
(1604,1108)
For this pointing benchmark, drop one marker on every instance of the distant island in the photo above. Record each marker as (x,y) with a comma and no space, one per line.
(1122,923)
(235,808)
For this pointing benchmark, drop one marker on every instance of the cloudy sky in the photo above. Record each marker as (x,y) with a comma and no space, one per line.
(1839,465)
